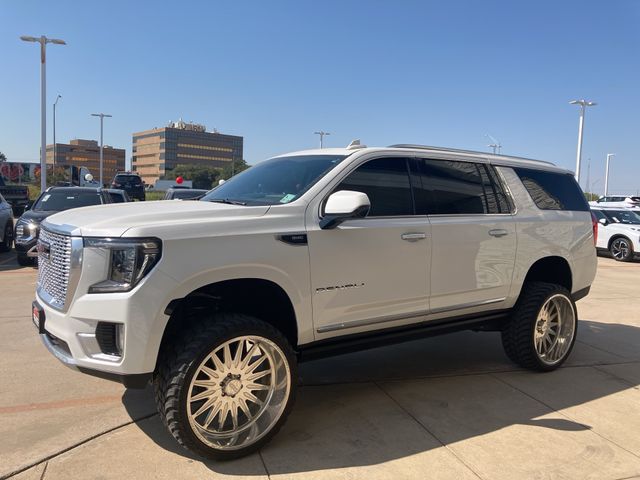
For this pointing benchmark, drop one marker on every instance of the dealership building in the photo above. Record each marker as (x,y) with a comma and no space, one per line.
(158,151)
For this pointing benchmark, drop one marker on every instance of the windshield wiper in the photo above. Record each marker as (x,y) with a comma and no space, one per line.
(228,200)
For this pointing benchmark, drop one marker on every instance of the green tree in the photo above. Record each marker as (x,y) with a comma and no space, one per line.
(591,197)
(234,168)
(3,157)
(202,176)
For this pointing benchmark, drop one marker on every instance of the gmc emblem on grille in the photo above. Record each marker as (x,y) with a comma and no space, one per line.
(44,249)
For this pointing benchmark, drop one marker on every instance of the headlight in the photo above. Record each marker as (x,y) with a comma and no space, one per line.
(130,259)
(26,229)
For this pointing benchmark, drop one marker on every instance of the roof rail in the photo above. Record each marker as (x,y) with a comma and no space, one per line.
(458,150)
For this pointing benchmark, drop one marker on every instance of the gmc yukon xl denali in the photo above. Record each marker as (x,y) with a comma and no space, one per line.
(305,255)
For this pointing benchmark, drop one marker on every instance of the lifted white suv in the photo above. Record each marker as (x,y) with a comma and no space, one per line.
(309,254)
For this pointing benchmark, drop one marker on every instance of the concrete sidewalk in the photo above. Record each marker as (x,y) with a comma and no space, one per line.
(450,407)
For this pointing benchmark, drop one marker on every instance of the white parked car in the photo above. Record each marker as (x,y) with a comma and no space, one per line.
(311,254)
(618,232)
(620,201)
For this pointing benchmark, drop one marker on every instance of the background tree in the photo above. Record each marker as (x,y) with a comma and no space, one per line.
(202,176)
(591,197)
(3,157)
(236,167)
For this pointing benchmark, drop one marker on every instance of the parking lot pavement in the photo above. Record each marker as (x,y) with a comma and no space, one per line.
(450,407)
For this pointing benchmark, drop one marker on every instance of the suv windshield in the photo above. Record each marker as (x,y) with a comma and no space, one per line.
(58,201)
(276,181)
(129,180)
(623,216)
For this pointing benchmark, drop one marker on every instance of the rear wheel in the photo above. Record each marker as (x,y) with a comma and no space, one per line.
(621,249)
(542,329)
(226,387)
(7,238)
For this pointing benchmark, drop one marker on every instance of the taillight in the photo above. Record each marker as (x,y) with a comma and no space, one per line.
(594,223)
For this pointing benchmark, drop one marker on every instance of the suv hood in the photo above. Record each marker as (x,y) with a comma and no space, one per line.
(113,220)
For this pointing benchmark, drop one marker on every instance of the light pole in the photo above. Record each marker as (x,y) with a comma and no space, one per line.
(54,130)
(583,105)
(606,174)
(495,145)
(42,40)
(101,115)
(322,134)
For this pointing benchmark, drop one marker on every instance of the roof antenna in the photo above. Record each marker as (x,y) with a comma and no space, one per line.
(355,144)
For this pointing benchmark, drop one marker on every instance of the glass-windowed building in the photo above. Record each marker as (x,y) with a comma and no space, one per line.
(158,151)
(86,153)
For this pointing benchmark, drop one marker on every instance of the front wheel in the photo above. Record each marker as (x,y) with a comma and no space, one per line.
(226,387)
(542,329)
(621,249)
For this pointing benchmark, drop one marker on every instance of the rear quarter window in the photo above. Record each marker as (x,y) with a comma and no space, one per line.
(553,191)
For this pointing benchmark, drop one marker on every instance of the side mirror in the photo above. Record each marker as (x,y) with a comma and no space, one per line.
(343,205)
(603,221)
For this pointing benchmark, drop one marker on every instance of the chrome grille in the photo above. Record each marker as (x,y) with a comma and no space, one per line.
(54,264)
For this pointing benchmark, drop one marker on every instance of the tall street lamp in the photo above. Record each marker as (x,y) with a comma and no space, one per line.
(322,134)
(583,105)
(606,174)
(54,129)
(101,115)
(42,40)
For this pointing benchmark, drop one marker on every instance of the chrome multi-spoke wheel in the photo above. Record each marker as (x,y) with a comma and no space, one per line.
(225,385)
(621,249)
(238,392)
(542,327)
(554,329)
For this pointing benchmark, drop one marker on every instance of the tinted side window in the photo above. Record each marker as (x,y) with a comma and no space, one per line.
(599,214)
(458,188)
(386,183)
(553,191)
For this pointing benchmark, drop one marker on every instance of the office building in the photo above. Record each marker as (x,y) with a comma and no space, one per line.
(156,152)
(86,153)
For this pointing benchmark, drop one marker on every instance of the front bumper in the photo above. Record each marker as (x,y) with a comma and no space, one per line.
(27,248)
(72,334)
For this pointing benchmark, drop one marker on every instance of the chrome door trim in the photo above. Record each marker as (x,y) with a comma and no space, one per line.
(413,236)
(367,321)
(462,306)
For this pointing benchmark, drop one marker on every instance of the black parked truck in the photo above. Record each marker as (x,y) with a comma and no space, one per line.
(16,195)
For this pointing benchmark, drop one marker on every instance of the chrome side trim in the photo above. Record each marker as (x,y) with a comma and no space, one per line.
(462,306)
(390,318)
(367,321)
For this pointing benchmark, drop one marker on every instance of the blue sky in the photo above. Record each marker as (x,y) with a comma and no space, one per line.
(439,73)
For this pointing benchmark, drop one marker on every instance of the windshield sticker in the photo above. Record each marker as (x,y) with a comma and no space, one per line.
(287,198)
(46,197)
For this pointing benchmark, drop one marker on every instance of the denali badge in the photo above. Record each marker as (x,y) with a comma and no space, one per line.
(339,287)
(44,249)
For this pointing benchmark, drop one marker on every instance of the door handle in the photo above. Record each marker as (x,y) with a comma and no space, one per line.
(413,237)
(498,232)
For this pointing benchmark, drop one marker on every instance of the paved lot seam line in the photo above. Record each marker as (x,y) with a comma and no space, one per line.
(72,447)
(424,427)
(568,417)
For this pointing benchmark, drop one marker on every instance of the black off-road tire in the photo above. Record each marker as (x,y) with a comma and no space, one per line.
(179,361)
(518,334)
(7,239)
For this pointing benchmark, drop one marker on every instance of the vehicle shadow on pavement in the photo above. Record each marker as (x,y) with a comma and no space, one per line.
(373,407)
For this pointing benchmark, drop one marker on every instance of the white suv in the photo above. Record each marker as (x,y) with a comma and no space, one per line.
(618,232)
(305,255)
